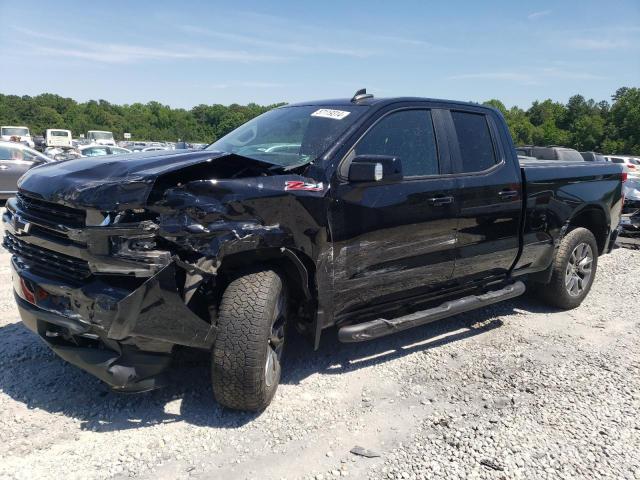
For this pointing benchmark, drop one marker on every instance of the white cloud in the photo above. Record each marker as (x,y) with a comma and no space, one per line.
(530,77)
(540,14)
(413,42)
(303,39)
(509,76)
(598,44)
(290,46)
(263,85)
(55,45)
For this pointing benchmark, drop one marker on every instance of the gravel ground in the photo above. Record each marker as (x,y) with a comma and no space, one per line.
(512,391)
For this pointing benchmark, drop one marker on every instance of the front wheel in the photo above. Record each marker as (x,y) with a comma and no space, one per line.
(245,365)
(574,269)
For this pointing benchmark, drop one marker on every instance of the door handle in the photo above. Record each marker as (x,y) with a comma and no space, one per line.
(439,201)
(3,167)
(506,194)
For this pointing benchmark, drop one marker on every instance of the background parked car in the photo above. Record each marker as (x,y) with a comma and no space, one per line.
(593,157)
(7,132)
(101,137)
(54,137)
(550,153)
(631,164)
(101,150)
(62,153)
(153,149)
(15,160)
(39,143)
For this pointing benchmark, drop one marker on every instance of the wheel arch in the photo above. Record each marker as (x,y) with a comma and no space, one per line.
(594,219)
(296,267)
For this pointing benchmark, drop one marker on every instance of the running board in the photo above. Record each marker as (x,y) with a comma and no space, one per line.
(380,327)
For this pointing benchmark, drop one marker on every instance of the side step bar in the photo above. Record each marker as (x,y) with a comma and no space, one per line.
(381,327)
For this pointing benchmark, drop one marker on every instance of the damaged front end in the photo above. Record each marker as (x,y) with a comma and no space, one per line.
(113,275)
(101,297)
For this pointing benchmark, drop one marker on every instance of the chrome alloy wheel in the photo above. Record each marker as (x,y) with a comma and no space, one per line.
(579,269)
(275,343)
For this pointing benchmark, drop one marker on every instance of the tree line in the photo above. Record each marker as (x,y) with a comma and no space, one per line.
(585,125)
(607,127)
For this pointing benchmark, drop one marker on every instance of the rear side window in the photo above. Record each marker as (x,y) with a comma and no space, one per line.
(474,139)
(407,134)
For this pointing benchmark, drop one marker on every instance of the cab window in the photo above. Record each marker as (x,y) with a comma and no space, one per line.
(408,135)
(474,140)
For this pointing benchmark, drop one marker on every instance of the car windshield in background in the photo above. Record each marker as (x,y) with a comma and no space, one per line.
(101,135)
(59,133)
(290,136)
(20,132)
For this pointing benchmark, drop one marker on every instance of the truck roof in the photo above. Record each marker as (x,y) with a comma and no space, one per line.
(379,102)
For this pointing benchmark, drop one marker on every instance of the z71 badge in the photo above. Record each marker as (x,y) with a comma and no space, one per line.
(303,186)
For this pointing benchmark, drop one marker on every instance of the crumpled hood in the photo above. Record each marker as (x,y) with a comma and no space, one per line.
(117,182)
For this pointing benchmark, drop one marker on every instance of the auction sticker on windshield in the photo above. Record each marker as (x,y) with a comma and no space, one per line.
(329,113)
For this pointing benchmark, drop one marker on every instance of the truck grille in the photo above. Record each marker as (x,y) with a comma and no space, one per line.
(49,213)
(48,261)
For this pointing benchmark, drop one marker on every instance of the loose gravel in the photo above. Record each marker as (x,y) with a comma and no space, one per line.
(515,390)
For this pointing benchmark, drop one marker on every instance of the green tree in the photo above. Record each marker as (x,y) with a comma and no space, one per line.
(582,124)
(624,120)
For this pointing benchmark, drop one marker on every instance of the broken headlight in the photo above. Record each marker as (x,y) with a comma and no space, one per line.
(141,248)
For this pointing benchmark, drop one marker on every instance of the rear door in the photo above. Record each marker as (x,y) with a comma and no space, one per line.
(393,241)
(489,195)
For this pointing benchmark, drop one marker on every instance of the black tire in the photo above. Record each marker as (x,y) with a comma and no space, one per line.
(251,320)
(562,291)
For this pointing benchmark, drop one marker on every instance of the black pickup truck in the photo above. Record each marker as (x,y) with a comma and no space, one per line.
(368,215)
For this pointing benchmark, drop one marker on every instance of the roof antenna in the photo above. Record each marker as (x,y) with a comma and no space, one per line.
(361,95)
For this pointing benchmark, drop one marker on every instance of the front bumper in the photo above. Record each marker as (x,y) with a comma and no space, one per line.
(122,367)
(123,336)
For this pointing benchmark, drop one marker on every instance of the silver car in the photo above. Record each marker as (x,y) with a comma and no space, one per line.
(15,160)
(102,150)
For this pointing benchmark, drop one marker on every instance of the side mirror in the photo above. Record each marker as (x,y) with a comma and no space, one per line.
(375,168)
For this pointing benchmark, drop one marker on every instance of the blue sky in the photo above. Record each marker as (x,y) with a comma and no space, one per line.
(186,53)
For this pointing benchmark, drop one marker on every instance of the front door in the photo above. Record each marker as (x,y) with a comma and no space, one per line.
(395,240)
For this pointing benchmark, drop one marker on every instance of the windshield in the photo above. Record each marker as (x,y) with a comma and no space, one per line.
(59,133)
(290,135)
(101,135)
(17,131)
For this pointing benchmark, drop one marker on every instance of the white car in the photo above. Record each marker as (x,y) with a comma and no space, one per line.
(22,133)
(153,149)
(101,137)
(102,150)
(631,164)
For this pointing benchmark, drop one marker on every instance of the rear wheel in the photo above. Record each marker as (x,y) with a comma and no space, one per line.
(248,349)
(574,269)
